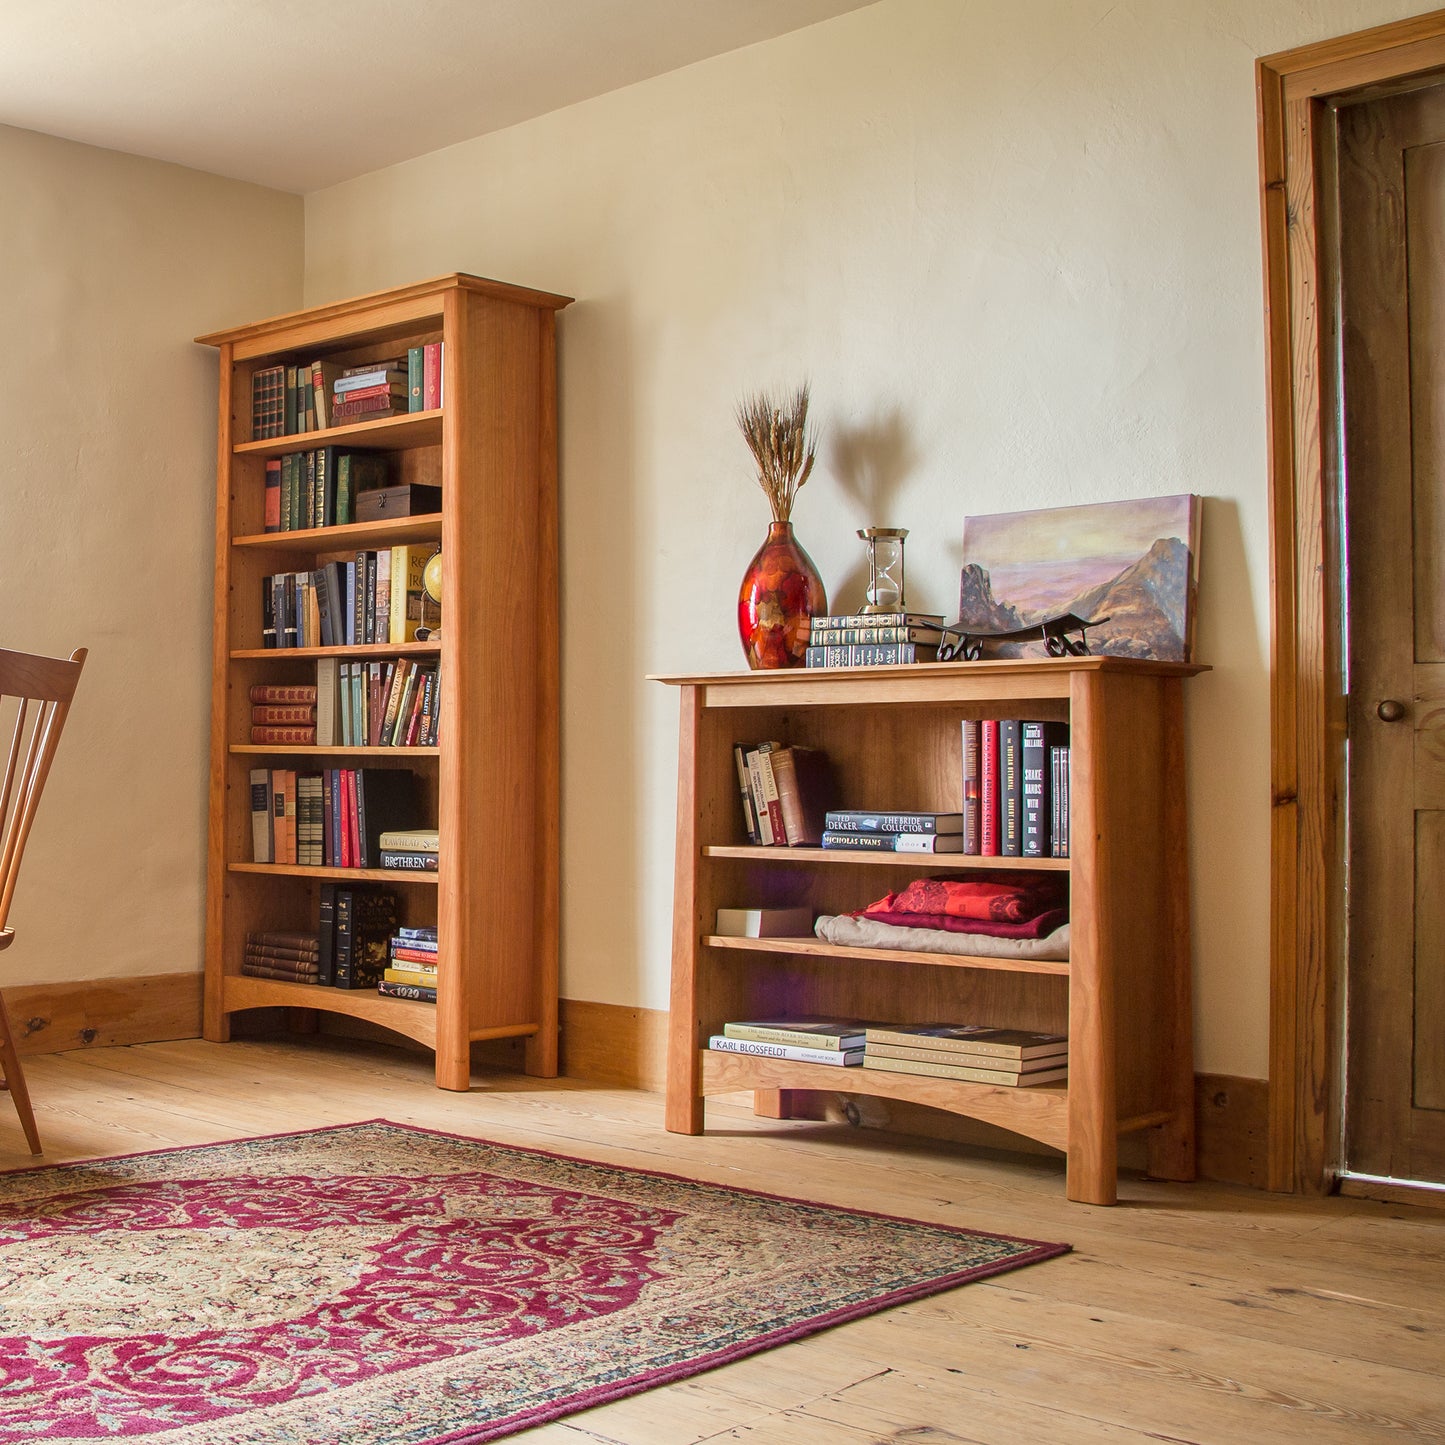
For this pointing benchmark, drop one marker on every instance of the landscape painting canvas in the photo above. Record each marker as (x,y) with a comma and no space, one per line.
(1135,564)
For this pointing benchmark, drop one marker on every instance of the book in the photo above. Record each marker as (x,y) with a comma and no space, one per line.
(971,1038)
(830,1034)
(269,692)
(830,632)
(1037,739)
(765,922)
(869,654)
(406,990)
(252,968)
(275,736)
(854,820)
(271,501)
(406,860)
(964,1073)
(803,778)
(408,563)
(357,472)
(1059,772)
(366,408)
(328,674)
(988,789)
(326,933)
(1010,796)
(427,840)
(425,933)
(750,817)
(412,953)
(319,402)
(971,765)
(352,380)
(432,366)
(414,357)
(1058,1060)
(760,806)
(770,801)
(387,799)
(829,620)
(411,973)
(894,842)
(260,780)
(294,713)
(721,1043)
(297,939)
(365,919)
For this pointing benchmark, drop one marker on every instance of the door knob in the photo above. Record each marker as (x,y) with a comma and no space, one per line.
(1390,710)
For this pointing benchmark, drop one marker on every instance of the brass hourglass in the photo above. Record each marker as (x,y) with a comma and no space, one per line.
(885,568)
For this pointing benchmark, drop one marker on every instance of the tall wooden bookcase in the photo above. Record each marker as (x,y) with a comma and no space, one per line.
(491,784)
(894,736)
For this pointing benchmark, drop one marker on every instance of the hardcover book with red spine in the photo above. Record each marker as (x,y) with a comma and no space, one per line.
(989,782)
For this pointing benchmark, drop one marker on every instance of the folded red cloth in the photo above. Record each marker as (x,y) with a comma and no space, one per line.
(972,899)
(1038,927)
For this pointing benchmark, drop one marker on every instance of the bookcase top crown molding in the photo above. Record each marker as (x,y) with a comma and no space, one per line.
(372,313)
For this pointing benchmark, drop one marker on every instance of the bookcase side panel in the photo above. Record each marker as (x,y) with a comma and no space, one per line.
(215,1024)
(490,555)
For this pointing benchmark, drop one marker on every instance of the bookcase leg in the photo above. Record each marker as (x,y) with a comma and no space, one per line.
(539,1054)
(1093,1176)
(684,1113)
(1171,1149)
(778,1103)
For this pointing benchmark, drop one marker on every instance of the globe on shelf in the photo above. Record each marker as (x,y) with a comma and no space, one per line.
(431,598)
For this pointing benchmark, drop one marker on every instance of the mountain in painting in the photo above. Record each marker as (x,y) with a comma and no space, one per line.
(1145,603)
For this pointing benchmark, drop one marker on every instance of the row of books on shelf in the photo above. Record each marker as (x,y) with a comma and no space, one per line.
(376,597)
(974,1053)
(291,399)
(873,639)
(357,944)
(339,818)
(377,704)
(1014,786)
(320,488)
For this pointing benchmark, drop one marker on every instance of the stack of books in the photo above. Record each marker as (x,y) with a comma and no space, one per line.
(283,713)
(803,1041)
(873,639)
(411,970)
(785,791)
(294,957)
(862,831)
(363,393)
(410,849)
(1013,1058)
(1015,788)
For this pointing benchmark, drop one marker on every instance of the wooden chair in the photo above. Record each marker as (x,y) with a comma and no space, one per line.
(37,692)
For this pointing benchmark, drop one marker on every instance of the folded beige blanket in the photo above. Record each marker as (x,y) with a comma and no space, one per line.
(853,932)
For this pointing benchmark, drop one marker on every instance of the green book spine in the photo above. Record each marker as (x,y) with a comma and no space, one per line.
(414,375)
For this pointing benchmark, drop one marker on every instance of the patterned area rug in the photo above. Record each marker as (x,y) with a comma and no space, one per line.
(383,1284)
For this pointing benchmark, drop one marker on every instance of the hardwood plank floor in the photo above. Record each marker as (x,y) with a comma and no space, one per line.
(1188,1313)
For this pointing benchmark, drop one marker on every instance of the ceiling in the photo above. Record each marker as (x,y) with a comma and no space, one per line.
(300,96)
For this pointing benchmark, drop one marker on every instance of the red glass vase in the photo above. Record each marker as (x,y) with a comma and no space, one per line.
(780,595)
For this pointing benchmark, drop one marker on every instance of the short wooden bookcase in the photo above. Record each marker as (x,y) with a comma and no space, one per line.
(490,784)
(894,736)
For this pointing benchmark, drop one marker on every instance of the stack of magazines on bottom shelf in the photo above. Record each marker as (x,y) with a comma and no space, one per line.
(1014,1058)
(411,965)
(800,1041)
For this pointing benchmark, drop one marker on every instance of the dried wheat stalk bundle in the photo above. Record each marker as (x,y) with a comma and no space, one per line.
(777,434)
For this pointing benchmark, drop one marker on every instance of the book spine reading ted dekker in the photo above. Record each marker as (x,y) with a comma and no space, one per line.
(855,820)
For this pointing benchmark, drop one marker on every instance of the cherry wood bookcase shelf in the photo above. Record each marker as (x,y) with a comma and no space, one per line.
(894,736)
(491,784)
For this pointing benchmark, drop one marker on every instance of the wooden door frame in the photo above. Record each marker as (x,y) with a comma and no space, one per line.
(1306,703)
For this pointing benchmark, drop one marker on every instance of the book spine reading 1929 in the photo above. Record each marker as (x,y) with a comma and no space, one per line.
(414,991)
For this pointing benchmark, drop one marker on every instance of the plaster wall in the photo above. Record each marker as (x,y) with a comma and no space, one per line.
(1015,247)
(107,495)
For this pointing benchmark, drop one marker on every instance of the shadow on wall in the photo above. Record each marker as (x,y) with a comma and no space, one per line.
(601,826)
(871,462)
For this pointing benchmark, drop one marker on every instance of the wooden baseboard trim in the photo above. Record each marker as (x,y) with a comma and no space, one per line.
(611,1043)
(49,1018)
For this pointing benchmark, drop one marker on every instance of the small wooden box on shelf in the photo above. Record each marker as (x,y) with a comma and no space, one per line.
(894,736)
(491,779)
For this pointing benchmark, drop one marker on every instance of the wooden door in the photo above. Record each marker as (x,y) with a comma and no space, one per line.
(1391,229)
